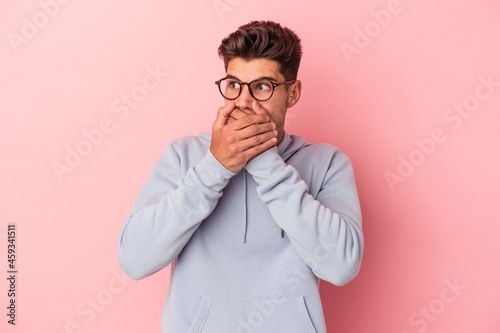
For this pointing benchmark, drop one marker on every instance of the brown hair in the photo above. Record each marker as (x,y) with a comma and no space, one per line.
(264,39)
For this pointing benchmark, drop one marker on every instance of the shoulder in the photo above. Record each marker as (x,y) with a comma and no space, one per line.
(189,141)
(187,150)
(189,144)
(319,164)
(318,152)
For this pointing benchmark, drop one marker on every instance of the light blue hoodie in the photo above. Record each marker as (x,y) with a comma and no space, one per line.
(246,250)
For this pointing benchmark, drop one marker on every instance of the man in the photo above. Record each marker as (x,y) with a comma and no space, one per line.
(250,217)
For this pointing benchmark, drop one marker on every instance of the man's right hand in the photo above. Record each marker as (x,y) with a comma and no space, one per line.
(235,143)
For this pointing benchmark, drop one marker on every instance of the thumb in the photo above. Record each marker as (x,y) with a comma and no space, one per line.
(256,107)
(223,114)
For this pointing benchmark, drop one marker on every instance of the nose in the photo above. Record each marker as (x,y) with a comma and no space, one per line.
(244,100)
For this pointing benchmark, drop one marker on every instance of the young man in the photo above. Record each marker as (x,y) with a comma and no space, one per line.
(250,217)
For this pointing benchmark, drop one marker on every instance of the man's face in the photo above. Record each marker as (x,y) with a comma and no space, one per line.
(282,98)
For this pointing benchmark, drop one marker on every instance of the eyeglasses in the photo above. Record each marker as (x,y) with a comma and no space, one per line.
(261,90)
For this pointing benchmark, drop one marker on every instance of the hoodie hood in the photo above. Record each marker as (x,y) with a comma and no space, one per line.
(289,145)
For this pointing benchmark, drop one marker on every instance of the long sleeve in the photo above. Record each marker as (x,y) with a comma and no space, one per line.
(175,199)
(325,230)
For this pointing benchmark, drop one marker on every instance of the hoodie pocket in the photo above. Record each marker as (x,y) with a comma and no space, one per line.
(218,314)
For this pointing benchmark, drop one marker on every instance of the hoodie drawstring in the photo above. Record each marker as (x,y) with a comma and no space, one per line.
(245,205)
(245,217)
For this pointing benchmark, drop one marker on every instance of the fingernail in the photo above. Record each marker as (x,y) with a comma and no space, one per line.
(275,133)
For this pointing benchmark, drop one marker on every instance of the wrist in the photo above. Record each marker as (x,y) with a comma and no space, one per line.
(268,156)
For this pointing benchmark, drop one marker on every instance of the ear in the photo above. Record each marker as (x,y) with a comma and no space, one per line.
(294,91)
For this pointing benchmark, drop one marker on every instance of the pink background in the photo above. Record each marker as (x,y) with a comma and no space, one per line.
(436,226)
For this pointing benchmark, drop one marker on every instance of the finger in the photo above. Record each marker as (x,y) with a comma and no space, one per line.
(253,137)
(257,129)
(249,120)
(256,107)
(258,149)
(258,139)
(237,114)
(223,115)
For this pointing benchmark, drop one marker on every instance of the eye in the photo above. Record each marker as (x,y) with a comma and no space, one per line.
(263,85)
(233,84)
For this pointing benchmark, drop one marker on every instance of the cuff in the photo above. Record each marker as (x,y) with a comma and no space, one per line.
(266,164)
(213,174)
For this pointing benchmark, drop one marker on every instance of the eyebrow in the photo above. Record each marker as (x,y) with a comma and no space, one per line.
(260,78)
